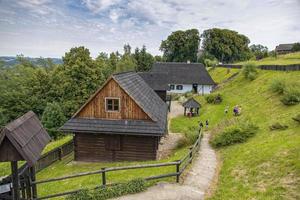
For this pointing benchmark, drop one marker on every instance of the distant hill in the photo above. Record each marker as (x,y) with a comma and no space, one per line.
(12,60)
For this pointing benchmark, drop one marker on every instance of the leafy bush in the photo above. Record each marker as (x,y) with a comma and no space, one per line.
(278,86)
(82,195)
(297,118)
(249,71)
(291,96)
(278,126)
(188,94)
(210,62)
(104,193)
(234,134)
(214,98)
(189,138)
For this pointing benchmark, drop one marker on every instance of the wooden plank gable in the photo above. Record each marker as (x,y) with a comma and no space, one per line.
(95,107)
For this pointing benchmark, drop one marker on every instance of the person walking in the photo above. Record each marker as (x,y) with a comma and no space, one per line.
(200,126)
(206,123)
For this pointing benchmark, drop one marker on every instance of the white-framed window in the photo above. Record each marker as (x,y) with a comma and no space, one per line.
(179,87)
(112,104)
(172,87)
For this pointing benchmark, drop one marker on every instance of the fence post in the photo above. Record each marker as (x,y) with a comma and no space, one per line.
(177,171)
(191,154)
(59,153)
(103,177)
(33,186)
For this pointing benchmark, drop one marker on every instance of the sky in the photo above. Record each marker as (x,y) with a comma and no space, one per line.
(49,28)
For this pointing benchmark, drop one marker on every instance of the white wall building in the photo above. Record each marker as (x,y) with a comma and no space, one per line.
(185,77)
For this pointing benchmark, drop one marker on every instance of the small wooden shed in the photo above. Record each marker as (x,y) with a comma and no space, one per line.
(22,139)
(192,106)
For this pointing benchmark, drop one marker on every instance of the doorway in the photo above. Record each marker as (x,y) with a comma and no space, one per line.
(195,88)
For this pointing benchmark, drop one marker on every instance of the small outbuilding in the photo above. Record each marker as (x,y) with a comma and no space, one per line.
(192,106)
(22,139)
(123,121)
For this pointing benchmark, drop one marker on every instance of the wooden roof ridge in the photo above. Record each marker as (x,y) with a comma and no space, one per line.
(100,88)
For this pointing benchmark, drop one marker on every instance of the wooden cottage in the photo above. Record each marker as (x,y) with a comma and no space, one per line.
(123,120)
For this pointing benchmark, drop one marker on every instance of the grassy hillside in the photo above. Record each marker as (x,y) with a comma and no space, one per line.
(293,58)
(268,165)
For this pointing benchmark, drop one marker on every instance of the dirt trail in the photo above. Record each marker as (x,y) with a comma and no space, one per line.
(197,180)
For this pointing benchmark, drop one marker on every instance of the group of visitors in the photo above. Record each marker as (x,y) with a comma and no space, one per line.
(237,110)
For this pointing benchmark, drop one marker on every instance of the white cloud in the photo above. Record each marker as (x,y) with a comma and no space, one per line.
(99,5)
(105,25)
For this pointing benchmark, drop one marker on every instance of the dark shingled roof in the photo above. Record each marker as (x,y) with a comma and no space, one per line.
(27,135)
(191,103)
(284,47)
(157,81)
(184,73)
(147,100)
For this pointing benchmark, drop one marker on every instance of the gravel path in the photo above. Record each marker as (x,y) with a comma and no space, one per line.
(197,180)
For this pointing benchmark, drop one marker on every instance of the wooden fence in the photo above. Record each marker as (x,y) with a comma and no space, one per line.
(179,167)
(294,67)
(45,160)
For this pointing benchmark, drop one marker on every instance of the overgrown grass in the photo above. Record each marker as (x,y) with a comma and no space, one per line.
(267,166)
(288,59)
(5,166)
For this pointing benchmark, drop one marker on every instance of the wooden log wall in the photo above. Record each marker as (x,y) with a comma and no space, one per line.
(128,110)
(93,148)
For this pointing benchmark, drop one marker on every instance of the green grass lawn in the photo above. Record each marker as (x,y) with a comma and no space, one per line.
(68,167)
(5,166)
(292,58)
(268,165)
(221,74)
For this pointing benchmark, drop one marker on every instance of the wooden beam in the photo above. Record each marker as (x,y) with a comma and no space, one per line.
(15,180)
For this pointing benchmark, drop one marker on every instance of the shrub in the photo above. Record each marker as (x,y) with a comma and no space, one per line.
(189,138)
(214,98)
(104,193)
(82,195)
(249,71)
(278,126)
(210,63)
(278,86)
(188,94)
(296,118)
(234,134)
(291,96)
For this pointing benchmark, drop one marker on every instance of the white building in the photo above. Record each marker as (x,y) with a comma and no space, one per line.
(185,77)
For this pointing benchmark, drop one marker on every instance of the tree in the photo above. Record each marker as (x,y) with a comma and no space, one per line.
(53,118)
(78,78)
(181,46)
(225,45)
(143,59)
(259,51)
(127,63)
(296,47)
